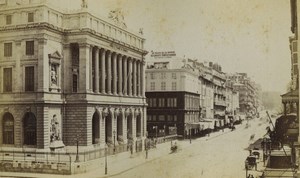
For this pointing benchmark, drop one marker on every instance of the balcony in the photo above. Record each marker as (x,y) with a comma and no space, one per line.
(220,103)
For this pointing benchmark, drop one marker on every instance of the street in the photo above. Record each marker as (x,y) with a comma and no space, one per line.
(221,156)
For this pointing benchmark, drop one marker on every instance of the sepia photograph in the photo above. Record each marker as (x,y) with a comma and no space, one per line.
(149,89)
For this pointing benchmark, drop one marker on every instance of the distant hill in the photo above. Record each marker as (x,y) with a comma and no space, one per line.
(271,99)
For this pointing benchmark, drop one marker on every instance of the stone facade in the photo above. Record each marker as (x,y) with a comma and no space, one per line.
(67,76)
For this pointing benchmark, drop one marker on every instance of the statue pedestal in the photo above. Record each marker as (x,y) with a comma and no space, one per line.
(57,146)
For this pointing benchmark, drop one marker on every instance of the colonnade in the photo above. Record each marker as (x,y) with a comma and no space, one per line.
(115,74)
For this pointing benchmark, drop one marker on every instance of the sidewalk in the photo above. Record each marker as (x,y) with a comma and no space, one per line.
(117,164)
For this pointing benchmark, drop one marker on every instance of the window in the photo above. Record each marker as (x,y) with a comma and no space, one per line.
(30,17)
(29,78)
(29,127)
(175,118)
(154,102)
(149,118)
(173,75)
(29,47)
(153,117)
(75,83)
(174,102)
(152,86)
(7,79)
(173,85)
(163,85)
(169,117)
(7,49)
(162,75)
(152,75)
(169,100)
(161,102)
(8,19)
(161,117)
(8,129)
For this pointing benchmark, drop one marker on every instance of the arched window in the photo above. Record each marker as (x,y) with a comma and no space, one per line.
(8,129)
(29,127)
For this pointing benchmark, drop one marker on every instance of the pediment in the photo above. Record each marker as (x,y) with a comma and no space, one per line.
(55,55)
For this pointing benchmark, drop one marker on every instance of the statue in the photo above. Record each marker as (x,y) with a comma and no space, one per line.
(54,130)
(141,31)
(53,75)
(84,4)
(118,17)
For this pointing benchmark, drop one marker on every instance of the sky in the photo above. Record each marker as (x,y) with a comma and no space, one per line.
(250,36)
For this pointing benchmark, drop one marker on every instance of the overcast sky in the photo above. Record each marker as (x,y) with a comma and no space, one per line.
(242,35)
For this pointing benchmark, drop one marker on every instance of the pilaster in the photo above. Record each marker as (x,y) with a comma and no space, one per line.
(84,66)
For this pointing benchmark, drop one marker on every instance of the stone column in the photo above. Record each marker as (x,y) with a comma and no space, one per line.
(114,81)
(96,78)
(91,69)
(109,72)
(130,77)
(120,75)
(84,65)
(134,62)
(138,92)
(103,71)
(125,76)
(124,124)
(143,78)
(102,128)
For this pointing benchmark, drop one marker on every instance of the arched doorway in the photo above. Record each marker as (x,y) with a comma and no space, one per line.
(8,128)
(29,129)
(108,129)
(119,128)
(96,128)
(138,126)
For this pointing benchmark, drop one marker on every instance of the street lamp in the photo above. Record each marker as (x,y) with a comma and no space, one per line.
(164,133)
(105,158)
(155,127)
(114,132)
(77,150)
(146,145)
(190,131)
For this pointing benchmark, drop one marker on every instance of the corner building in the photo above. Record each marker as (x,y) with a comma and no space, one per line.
(68,76)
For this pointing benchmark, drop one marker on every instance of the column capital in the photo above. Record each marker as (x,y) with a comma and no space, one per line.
(82,45)
(102,50)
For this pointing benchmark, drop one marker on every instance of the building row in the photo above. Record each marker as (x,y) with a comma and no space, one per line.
(186,96)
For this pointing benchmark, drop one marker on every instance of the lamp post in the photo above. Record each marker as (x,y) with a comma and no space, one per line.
(77,149)
(105,158)
(114,132)
(146,145)
(164,133)
(155,127)
(190,131)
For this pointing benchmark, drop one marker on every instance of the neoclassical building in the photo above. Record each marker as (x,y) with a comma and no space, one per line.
(68,75)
